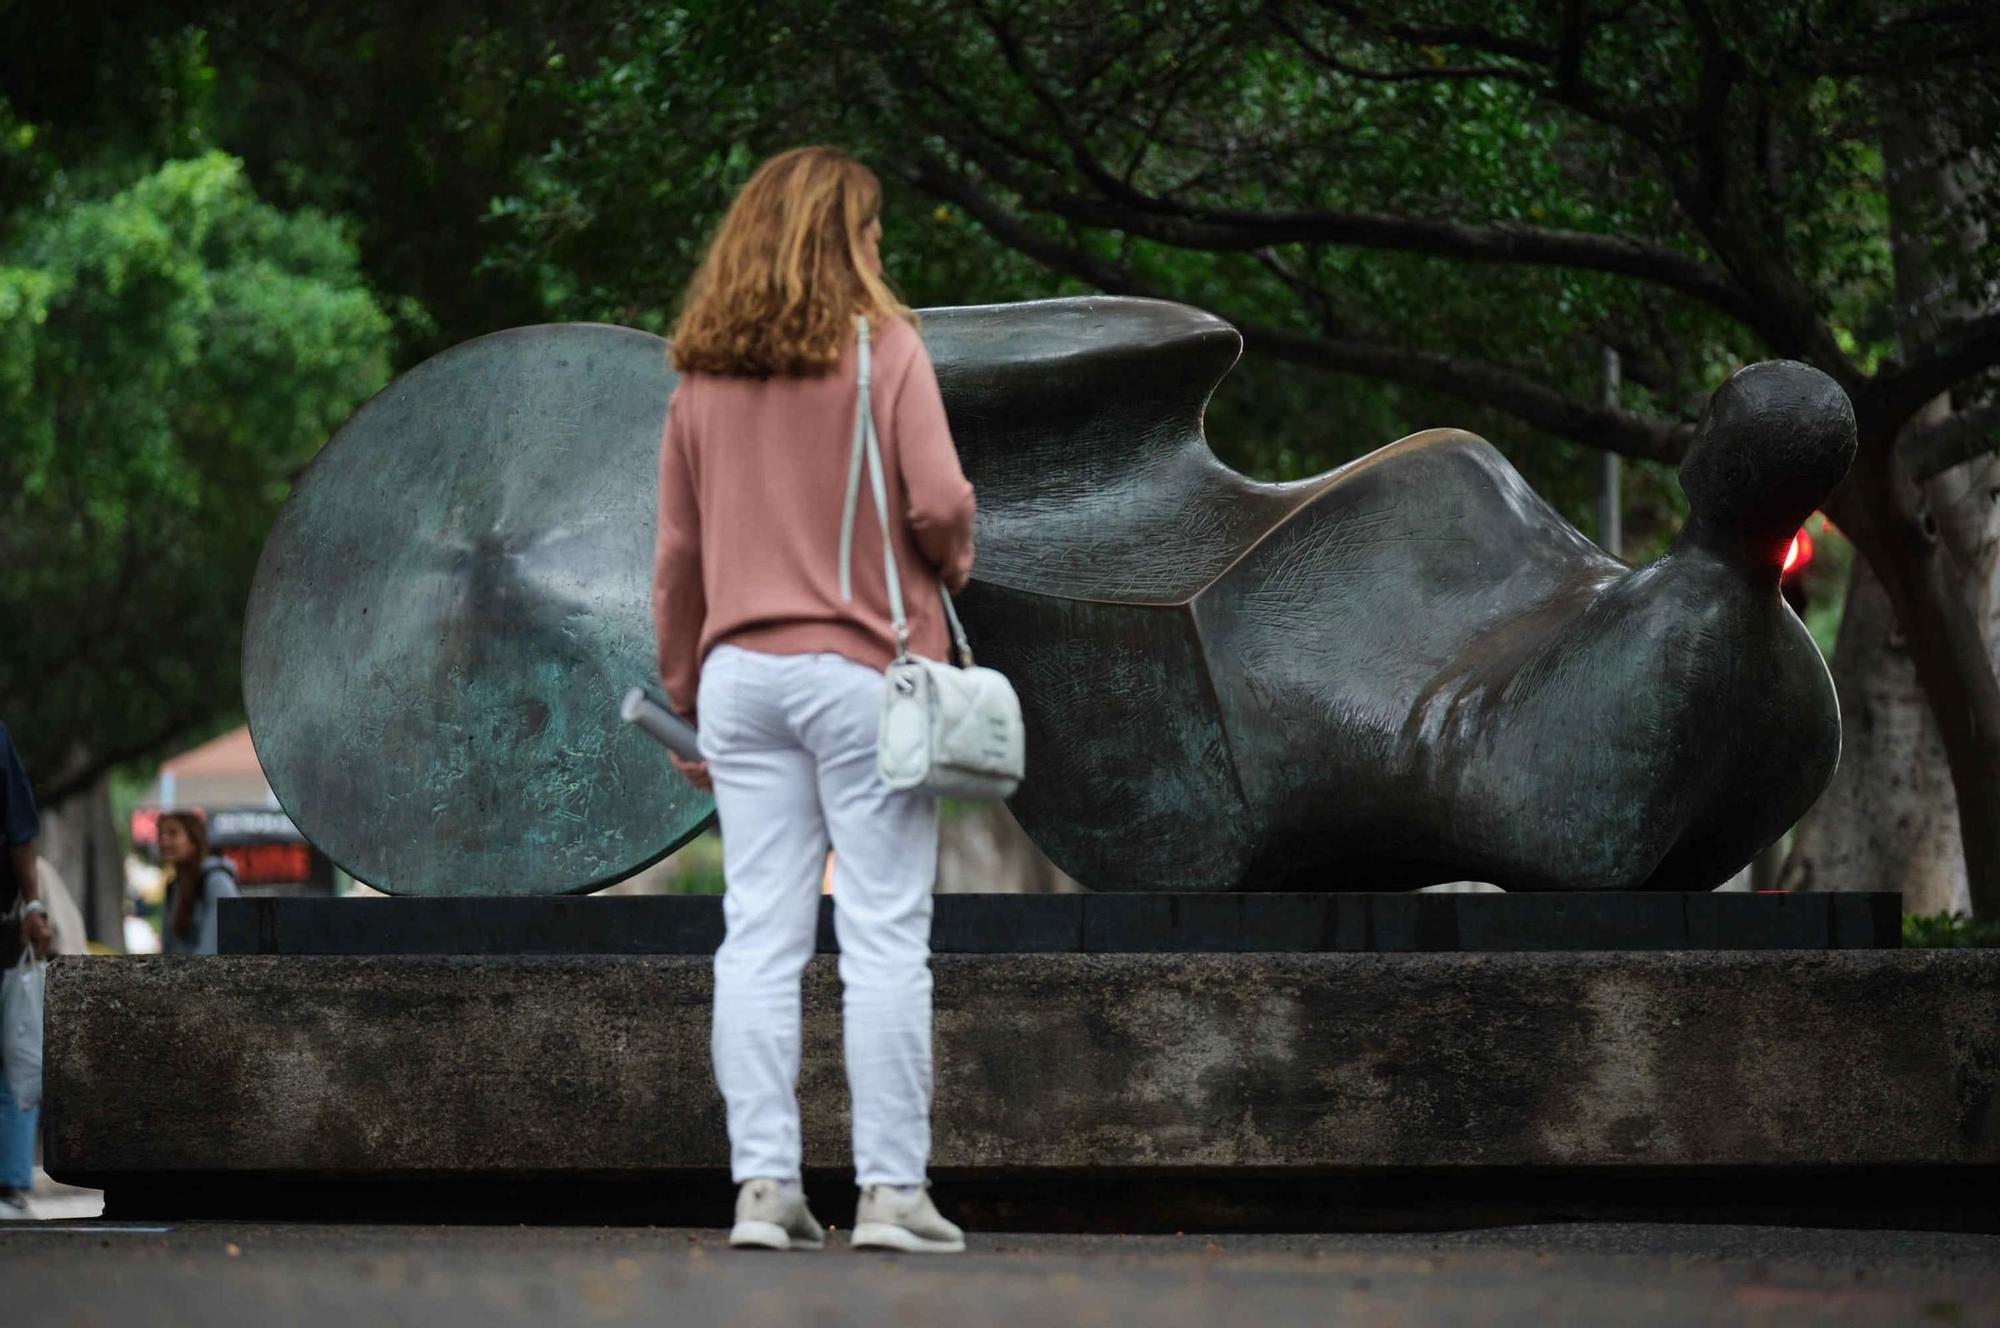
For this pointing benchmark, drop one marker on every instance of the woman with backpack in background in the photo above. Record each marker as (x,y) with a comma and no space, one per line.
(195,880)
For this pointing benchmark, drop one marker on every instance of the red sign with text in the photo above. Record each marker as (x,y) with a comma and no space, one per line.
(270,864)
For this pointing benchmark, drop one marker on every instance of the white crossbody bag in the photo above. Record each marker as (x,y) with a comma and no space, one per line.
(951,732)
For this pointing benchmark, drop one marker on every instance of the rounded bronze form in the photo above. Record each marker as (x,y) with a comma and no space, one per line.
(448,611)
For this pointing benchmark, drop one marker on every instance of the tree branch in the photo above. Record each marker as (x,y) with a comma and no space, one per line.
(1956,355)
(1497,242)
(1310,294)
(1015,56)
(78,778)
(1569,55)
(1526,399)
(1765,295)
(1275,15)
(934,177)
(1937,37)
(1754,288)
(1720,69)
(1468,379)
(1479,39)
(1233,230)
(1557,69)
(1933,449)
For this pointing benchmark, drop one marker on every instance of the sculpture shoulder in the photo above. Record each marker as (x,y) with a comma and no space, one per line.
(976,344)
(1079,423)
(1079,384)
(1448,510)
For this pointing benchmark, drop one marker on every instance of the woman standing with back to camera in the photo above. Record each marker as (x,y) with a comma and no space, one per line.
(783,674)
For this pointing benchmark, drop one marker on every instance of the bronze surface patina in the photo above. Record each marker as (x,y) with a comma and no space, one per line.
(450,607)
(1405,671)
(1408,670)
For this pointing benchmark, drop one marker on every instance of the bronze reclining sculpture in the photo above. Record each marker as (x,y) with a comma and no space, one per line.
(1404,671)
(1408,670)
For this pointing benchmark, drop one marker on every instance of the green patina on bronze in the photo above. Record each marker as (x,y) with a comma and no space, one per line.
(450,607)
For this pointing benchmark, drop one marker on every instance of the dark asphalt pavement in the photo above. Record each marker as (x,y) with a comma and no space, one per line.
(82,1274)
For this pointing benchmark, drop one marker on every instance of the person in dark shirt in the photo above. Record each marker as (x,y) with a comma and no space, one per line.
(20,897)
(19,827)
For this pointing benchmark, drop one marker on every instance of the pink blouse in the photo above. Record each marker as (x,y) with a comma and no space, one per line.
(753,476)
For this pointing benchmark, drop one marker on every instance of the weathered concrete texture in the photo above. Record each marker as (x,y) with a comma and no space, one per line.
(374,1067)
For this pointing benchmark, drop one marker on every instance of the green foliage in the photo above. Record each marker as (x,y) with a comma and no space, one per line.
(1950,931)
(1825,582)
(1197,101)
(556,161)
(405,120)
(660,125)
(541,167)
(171,352)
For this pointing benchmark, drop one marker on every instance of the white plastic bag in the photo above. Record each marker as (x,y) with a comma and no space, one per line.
(21,1029)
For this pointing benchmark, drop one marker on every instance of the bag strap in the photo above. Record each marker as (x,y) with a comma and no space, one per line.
(958,641)
(868,446)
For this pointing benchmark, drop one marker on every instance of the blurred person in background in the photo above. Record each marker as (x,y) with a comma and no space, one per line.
(140,938)
(196,879)
(67,934)
(24,927)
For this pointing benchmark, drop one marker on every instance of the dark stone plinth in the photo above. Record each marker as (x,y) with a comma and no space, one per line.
(1129,1200)
(1092,924)
(270,1069)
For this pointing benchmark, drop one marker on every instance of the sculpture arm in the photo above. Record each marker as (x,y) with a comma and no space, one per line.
(937,497)
(679,602)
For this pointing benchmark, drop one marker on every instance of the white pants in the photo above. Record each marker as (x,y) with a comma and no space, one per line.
(790,744)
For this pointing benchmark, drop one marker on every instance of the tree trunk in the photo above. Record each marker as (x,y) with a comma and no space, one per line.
(1889,819)
(1943,609)
(1920,703)
(80,840)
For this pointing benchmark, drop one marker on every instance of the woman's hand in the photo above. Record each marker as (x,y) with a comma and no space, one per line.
(695,772)
(962,575)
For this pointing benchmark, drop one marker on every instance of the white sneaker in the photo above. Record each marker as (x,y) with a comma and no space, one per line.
(14,1206)
(888,1219)
(770,1216)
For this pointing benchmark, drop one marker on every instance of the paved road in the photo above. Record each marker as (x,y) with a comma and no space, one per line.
(91,1273)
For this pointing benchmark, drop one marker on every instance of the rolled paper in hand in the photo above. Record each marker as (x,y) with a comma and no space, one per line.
(660,724)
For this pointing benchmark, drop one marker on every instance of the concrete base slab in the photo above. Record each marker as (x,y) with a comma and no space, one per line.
(366,1070)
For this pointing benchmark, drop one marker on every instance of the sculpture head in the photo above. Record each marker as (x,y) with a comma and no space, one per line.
(1774,441)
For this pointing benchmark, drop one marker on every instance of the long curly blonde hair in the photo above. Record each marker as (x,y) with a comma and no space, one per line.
(781,283)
